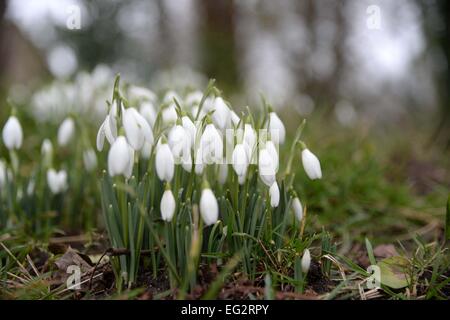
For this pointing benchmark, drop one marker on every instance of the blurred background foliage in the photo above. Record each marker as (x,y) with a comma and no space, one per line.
(304,55)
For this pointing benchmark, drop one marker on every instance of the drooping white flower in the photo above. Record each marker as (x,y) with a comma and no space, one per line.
(266,167)
(141,94)
(66,132)
(120,158)
(167,205)
(311,164)
(169,114)
(12,133)
(274,192)
(137,129)
(89,160)
(194,98)
(190,128)
(234,118)
(211,146)
(209,208)
(147,110)
(57,181)
(105,131)
(164,162)
(47,152)
(186,161)
(179,141)
(240,161)
(46,147)
(221,114)
(306,261)
(249,141)
(276,127)
(298,208)
(272,149)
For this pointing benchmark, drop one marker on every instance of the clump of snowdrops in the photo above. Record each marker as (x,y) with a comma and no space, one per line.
(190,180)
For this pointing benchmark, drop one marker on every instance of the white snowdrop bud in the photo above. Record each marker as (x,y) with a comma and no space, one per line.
(179,141)
(57,181)
(66,132)
(120,158)
(221,115)
(89,160)
(209,208)
(46,148)
(272,149)
(276,127)
(266,167)
(274,192)
(249,141)
(311,164)
(306,261)
(211,145)
(168,205)
(190,128)
(164,162)
(234,118)
(186,161)
(240,160)
(147,110)
(12,133)
(137,129)
(169,114)
(298,208)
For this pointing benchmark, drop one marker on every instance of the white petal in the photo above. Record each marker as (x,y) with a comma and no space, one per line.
(311,164)
(167,205)
(274,195)
(209,208)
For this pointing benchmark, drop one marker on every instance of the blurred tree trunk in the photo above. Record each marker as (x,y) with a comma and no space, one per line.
(439,40)
(218,42)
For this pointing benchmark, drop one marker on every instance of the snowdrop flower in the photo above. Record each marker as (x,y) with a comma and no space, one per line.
(274,192)
(66,131)
(306,261)
(46,147)
(57,181)
(89,160)
(298,208)
(311,164)
(234,118)
(276,127)
(47,152)
(267,169)
(164,162)
(120,158)
(105,131)
(147,110)
(139,93)
(167,205)
(190,128)
(179,141)
(209,208)
(221,115)
(186,161)
(12,133)
(249,141)
(170,96)
(211,146)
(194,98)
(272,149)
(240,161)
(137,129)
(169,114)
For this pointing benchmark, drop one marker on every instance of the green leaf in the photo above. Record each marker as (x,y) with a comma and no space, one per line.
(370,252)
(393,272)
